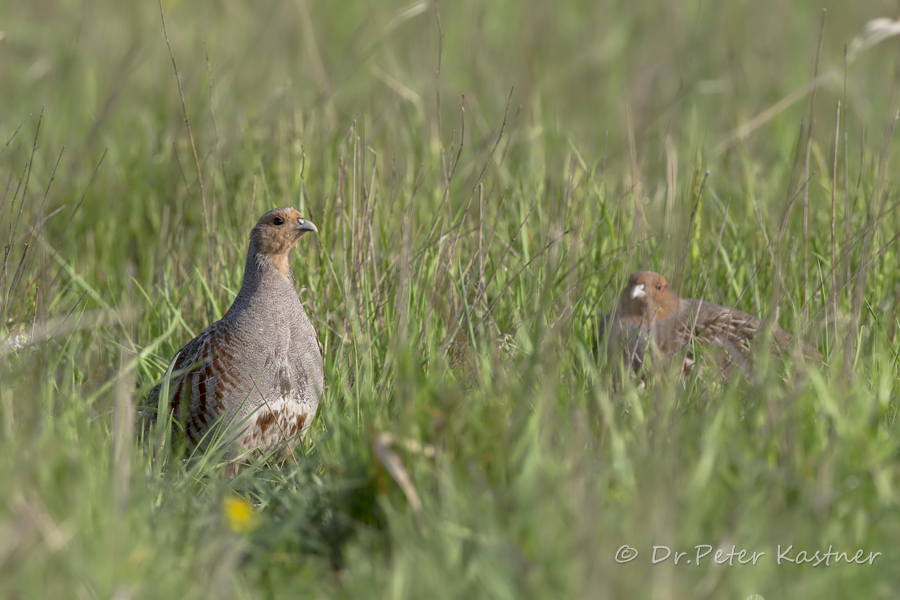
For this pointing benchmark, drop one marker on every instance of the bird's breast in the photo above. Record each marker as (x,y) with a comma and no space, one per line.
(277,422)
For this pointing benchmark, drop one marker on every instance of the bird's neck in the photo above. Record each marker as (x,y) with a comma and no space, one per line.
(651,311)
(264,270)
(666,305)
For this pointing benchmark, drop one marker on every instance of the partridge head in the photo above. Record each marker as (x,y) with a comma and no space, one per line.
(277,233)
(646,298)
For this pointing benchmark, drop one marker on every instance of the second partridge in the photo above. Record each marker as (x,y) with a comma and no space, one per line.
(650,314)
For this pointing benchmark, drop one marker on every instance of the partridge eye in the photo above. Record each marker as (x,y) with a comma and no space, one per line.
(278,221)
(659,287)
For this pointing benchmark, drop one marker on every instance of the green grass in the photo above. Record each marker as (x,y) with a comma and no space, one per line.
(483,182)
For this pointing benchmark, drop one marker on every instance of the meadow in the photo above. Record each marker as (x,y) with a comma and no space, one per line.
(484,177)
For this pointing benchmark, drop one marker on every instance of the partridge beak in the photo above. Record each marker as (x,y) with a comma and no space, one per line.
(638,291)
(304,225)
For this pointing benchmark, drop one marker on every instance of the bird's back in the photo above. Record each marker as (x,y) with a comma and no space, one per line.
(722,325)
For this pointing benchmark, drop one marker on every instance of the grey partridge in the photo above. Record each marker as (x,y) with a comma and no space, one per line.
(259,370)
(650,315)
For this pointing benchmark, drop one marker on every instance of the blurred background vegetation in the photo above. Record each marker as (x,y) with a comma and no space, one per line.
(484,176)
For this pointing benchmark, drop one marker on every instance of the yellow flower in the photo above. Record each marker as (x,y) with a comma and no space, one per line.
(239,513)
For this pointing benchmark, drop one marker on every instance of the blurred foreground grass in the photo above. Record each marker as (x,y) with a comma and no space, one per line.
(484,177)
